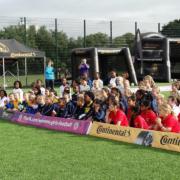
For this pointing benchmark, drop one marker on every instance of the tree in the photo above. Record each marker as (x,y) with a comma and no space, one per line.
(45,42)
(13,32)
(62,44)
(126,40)
(172,29)
(75,43)
(97,40)
(31,36)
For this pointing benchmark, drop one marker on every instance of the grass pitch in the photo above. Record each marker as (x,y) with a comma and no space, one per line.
(28,153)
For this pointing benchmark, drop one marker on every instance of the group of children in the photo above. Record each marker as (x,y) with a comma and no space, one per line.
(115,103)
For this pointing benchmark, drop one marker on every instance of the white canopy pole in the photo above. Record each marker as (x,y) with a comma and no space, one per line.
(17,63)
(44,71)
(4,75)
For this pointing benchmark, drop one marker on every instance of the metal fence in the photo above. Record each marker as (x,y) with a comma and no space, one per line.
(57,37)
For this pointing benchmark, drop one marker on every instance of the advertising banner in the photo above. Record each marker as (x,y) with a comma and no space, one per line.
(163,140)
(6,115)
(54,123)
(168,141)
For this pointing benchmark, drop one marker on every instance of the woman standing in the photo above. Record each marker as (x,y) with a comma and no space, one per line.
(84,67)
(49,75)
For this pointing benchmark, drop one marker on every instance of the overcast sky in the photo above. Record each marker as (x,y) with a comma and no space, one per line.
(98,9)
(128,10)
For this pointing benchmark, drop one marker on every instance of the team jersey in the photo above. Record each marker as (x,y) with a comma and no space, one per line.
(150,117)
(171,122)
(139,122)
(119,115)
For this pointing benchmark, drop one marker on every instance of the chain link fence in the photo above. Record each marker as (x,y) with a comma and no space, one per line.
(57,37)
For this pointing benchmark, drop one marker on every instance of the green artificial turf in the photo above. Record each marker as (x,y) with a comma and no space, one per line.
(30,79)
(28,153)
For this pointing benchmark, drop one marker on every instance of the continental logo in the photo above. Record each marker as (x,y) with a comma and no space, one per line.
(31,54)
(167,140)
(108,130)
(3,48)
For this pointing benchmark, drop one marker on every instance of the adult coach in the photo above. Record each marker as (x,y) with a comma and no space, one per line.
(49,75)
(84,67)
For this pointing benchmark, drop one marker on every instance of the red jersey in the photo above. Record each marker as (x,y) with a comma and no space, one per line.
(139,122)
(129,114)
(171,122)
(179,117)
(150,117)
(119,115)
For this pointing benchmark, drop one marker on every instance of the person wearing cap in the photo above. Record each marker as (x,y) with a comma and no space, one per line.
(84,67)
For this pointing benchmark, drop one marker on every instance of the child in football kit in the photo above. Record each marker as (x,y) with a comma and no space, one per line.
(139,122)
(48,108)
(32,106)
(75,94)
(173,102)
(9,105)
(17,101)
(131,104)
(40,103)
(148,114)
(88,104)
(167,121)
(98,111)
(70,108)
(60,108)
(79,108)
(84,85)
(116,116)
(25,101)
(18,89)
